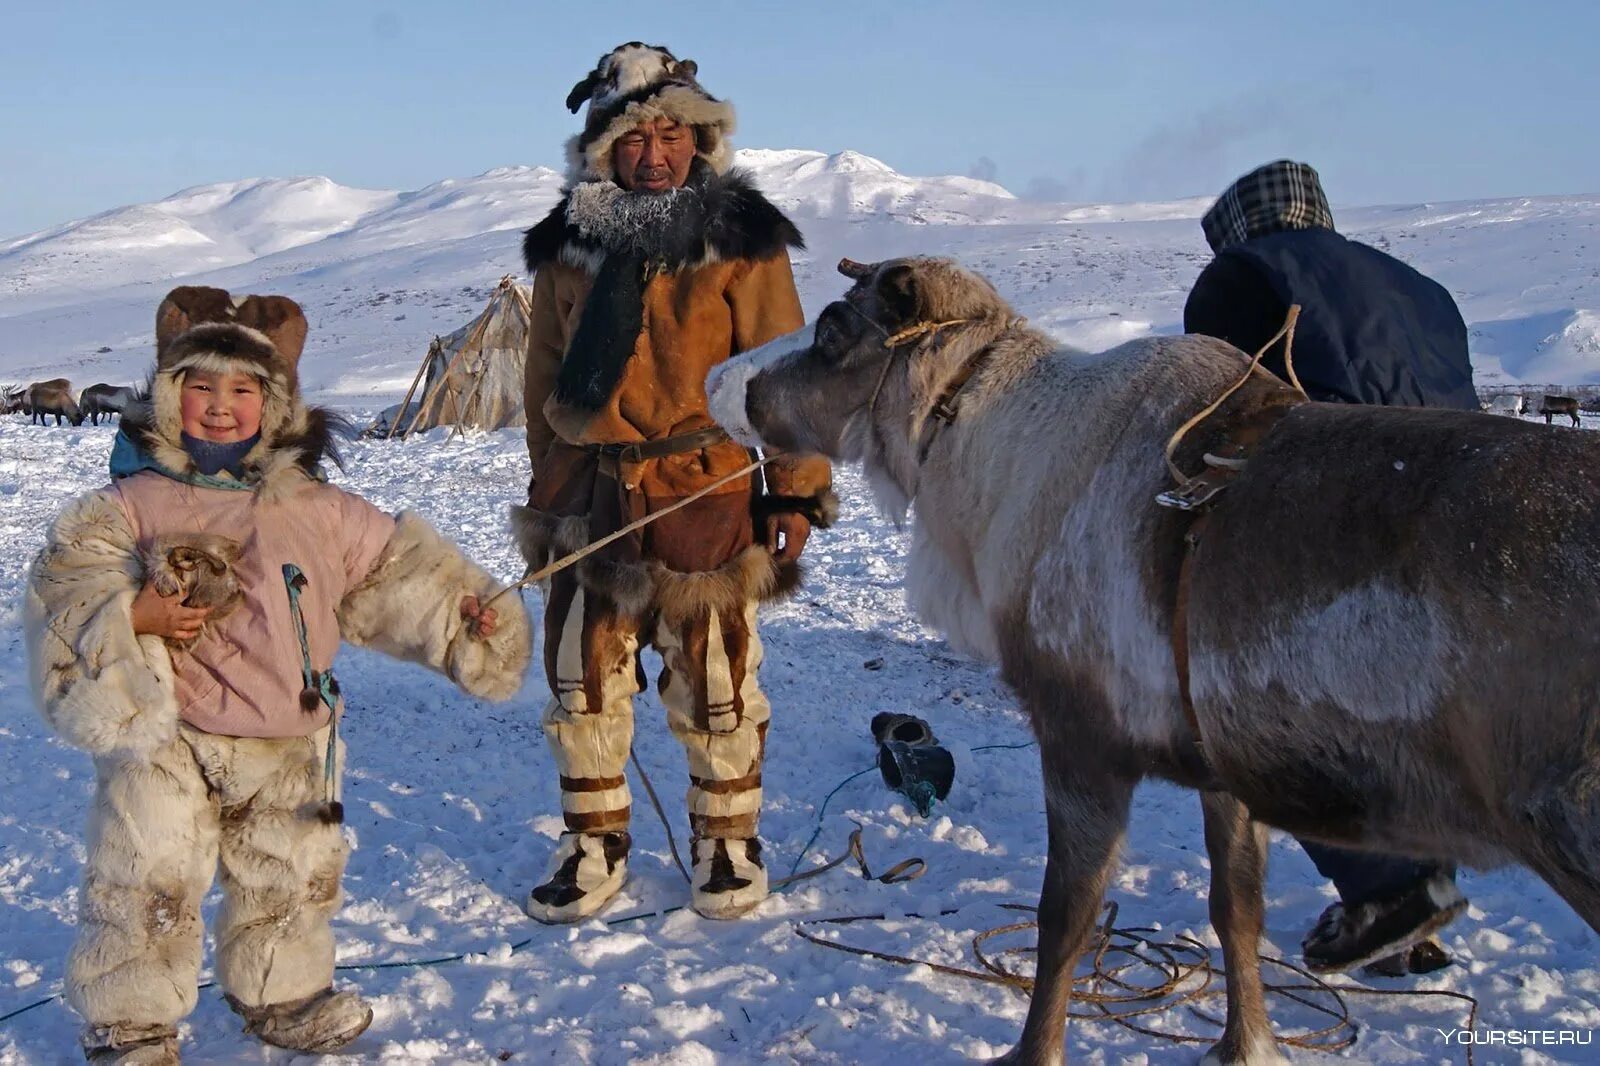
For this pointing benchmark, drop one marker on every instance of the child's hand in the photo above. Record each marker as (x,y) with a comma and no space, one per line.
(166,616)
(480,620)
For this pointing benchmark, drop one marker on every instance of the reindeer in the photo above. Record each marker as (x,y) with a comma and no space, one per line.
(1560,405)
(1368,603)
(102,399)
(1509,403)
(53,397)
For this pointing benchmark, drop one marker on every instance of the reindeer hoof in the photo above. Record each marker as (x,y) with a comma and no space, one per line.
(1228,1052)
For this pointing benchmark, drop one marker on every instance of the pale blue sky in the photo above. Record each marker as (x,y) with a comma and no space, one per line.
(103,104)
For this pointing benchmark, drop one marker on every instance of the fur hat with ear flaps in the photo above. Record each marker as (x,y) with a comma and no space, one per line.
(208,329)
(636,83)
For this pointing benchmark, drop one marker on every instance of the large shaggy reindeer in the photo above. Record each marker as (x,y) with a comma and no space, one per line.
(1391,631)
(53,397)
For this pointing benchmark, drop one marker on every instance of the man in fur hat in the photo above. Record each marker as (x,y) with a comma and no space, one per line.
(657,264)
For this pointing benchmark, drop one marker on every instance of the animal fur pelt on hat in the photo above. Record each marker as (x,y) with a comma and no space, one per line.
(208,329)
(636,83)
(618,237)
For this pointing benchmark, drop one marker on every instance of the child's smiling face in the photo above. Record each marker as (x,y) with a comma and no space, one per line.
(221,408)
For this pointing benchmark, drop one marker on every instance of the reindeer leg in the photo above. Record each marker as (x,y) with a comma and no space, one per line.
(1567,849)
(1087,810)
(1238,850)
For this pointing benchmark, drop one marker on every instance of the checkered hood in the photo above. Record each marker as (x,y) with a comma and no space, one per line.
(1279,196)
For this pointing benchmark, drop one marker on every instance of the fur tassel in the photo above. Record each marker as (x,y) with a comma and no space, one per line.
(310,700)
(541,536)
(822,510)
(331,813)
(627,585)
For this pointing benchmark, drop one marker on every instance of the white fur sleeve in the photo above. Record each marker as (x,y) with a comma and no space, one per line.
(99,686)
(409,606)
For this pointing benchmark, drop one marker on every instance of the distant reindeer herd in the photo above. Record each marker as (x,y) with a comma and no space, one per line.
(55,397)
(1516,404)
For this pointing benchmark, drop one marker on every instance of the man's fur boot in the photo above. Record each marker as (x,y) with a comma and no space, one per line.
(131,1045)
(729,878)
(586,871)
(319,1023)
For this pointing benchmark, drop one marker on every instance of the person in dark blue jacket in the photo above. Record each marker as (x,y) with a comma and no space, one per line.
(1371,330)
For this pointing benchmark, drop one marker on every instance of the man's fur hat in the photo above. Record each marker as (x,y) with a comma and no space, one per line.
(636,83)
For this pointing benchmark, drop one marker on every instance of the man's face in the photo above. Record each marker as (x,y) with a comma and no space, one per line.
(654,157)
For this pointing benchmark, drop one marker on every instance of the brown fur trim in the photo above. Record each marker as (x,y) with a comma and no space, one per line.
(751,575)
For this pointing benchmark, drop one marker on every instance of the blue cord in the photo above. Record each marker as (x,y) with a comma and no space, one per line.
(519,945)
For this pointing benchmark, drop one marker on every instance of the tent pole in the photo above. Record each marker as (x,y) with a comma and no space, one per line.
(415,381)
(471,342)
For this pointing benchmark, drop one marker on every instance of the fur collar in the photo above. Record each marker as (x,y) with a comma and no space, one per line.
(712,217)
(292,455)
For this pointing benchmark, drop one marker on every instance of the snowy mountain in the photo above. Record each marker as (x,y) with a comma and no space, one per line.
(381,272)
(203,228)
(210,227)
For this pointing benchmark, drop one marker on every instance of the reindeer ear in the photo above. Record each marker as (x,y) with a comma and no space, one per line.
(688,68)
(897,288)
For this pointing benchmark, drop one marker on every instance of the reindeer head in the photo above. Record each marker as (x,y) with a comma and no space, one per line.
(200,567)
(858,383)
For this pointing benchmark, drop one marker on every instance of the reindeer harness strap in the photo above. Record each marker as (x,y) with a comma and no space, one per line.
(1242,427)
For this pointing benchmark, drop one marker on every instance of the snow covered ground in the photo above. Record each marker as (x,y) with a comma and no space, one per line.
(452,803)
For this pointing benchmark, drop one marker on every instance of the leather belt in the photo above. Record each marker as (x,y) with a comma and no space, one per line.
(613,456)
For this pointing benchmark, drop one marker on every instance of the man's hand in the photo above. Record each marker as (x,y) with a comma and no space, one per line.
(786,536)
(166,616)
(480,620)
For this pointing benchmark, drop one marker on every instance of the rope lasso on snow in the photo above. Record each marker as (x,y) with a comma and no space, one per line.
(1183,963)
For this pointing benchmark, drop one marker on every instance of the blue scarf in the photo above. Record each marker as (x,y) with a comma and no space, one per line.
(211,457)
(129,457)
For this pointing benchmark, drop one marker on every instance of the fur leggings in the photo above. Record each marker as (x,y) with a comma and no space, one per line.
(714,707)
(158,832)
